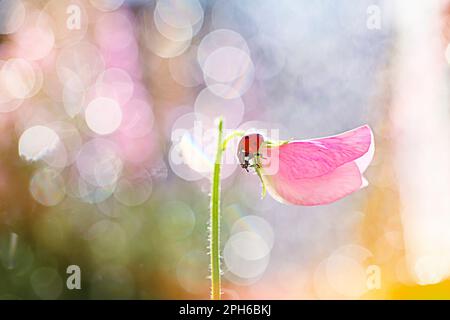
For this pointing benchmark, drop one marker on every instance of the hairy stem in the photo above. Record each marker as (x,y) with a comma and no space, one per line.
(214,239)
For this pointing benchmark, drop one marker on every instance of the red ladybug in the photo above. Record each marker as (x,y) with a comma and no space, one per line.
(248,148)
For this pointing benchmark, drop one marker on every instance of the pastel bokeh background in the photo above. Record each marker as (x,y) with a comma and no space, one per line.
(107,112)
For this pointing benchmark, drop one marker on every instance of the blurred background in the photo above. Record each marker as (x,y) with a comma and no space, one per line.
(107,112)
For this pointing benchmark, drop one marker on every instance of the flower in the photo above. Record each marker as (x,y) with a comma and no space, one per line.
(310,172)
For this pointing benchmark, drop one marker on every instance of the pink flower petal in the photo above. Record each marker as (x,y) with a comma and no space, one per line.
(318,171)
(364,161)
(315,191)
(313,158)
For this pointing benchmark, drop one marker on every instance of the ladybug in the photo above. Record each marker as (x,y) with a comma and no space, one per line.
(248,149)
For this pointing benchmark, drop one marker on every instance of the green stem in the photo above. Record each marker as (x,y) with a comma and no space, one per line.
(263,185)
(214,239)
(234,134)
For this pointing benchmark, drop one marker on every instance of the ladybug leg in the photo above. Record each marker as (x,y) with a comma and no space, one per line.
(255,165)
(257,161)
(245,165)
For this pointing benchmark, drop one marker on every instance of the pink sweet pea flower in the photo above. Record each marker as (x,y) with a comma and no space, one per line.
(310,172)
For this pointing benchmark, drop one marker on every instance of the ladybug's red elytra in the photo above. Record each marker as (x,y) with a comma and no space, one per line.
(248,148)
